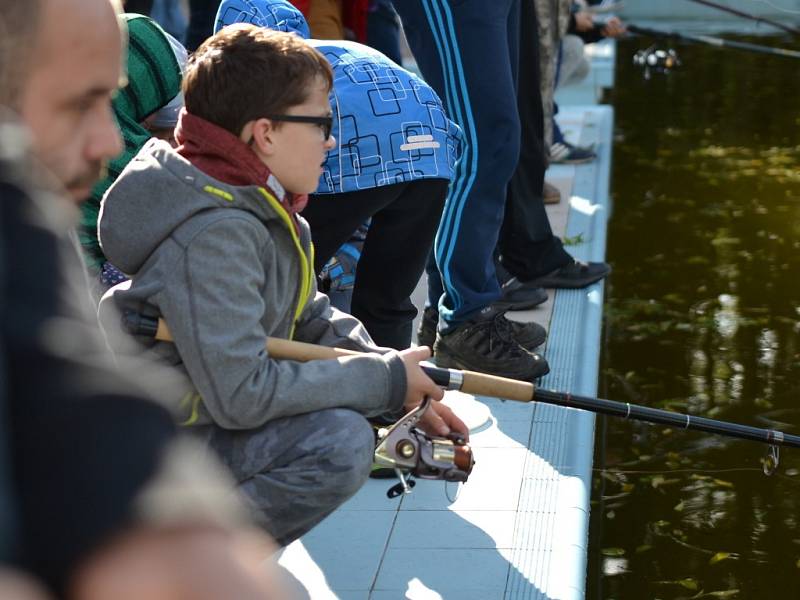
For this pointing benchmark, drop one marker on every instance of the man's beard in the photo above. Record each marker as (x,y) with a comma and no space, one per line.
(94,173)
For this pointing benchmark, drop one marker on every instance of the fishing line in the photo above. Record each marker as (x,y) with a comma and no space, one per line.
(788,11)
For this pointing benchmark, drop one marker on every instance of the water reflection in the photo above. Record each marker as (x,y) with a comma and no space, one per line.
(701,316)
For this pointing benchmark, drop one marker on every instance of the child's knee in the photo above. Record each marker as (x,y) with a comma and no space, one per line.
(352,447)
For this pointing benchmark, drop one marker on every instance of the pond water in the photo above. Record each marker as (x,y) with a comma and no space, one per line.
(702,316)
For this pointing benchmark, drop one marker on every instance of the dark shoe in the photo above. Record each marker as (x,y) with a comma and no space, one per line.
(528,335)
(575,275)
(551,194)
(520,296)
(564,153)
(426,333)
(487,345)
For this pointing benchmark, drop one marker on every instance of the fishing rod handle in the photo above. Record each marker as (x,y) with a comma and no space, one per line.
(137,324)
(469,382)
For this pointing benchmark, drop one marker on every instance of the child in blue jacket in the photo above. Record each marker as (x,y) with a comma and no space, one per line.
(395,157)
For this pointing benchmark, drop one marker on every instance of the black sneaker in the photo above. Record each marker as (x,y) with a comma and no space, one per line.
(575,275)
(426,333)
(487,345)
(528,335)
(518,295)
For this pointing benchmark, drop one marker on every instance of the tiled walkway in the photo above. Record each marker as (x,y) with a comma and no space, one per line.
(519,527)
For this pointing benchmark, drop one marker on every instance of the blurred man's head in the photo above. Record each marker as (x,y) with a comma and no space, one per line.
(61,64)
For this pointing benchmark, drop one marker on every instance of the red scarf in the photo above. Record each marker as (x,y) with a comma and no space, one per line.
(223,156)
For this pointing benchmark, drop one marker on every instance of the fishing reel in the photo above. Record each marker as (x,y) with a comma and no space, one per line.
(654,59)
(409,451)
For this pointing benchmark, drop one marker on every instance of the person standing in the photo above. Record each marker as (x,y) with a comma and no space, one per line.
(468,53)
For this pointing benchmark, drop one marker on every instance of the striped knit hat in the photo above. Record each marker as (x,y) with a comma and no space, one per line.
(154,79)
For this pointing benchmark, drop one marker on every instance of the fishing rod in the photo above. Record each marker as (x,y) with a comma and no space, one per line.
(714,41)
(746,15)
(481,384)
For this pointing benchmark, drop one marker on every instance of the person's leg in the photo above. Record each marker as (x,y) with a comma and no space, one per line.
(333,218)
(452,45)
(529,250)
(528,247)
(201,22)
(383,30)
(297,470)
(393,259)
(574,67)
(338,276)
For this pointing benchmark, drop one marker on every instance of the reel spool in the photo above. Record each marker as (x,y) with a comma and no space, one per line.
(655,59)
(410,451)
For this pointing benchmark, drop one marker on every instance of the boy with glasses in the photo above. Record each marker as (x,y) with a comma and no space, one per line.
(210,235)
(395,156)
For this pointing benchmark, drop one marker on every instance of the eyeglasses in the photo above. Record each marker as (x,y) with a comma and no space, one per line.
(324,123)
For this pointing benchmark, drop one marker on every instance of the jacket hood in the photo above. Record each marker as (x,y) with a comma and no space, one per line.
(154,79)
(279,15)
(158,191)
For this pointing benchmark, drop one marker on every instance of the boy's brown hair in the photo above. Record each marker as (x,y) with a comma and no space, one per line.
(246,72)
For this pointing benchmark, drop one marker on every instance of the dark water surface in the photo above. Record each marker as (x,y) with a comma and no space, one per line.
(702,316)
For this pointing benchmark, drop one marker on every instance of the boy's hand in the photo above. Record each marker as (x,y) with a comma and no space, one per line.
(438,419)
(419,384)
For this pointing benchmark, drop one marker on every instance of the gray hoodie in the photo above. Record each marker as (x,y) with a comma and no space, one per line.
(225,267)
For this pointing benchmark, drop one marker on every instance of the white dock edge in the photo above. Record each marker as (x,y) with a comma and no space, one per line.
(558,469)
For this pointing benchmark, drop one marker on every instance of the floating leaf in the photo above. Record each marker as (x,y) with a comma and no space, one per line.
(722,594)
(610,514)
(723,483)
(679,506)
(719,557)
(661,523)
(688,583)
(660,481)
(725,241)
(613,552)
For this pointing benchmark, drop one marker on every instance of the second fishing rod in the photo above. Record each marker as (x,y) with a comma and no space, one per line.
(713,41)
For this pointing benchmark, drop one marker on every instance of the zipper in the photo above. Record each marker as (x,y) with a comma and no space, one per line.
(305,266)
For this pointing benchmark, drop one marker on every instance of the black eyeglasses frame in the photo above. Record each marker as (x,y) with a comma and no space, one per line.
(325,122)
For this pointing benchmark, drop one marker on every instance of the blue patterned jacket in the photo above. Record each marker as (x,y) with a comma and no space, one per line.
(390,125)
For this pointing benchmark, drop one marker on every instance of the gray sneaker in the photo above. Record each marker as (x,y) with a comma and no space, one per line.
(487,345)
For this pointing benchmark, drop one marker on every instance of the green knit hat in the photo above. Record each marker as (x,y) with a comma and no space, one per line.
(154,78)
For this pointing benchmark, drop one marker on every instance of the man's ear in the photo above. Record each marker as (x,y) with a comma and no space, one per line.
(260,136)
